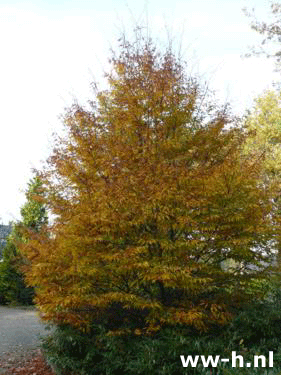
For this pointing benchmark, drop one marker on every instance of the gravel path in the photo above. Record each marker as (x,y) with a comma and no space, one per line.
(20,332)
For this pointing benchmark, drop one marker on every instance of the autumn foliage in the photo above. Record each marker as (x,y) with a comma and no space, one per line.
(151,197)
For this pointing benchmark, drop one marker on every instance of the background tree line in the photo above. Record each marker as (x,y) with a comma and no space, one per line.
(13,287)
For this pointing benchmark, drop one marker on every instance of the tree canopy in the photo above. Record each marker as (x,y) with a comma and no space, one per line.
(264,124)
(271,33)
(150,193)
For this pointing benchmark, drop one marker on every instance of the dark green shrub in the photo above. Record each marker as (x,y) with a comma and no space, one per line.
(255,330)
(80,354)
(71,351)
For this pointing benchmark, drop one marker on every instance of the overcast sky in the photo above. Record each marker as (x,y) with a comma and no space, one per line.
(51,50)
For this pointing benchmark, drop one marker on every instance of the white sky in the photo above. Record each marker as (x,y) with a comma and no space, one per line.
(51,49)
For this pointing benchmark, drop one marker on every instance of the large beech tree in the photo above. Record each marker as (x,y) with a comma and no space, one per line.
(149,194)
